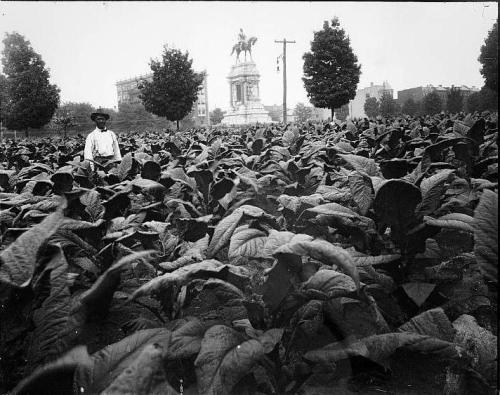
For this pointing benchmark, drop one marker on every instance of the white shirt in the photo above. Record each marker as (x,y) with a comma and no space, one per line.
(101,143)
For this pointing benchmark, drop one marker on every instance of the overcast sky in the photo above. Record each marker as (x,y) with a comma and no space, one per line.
(88,46)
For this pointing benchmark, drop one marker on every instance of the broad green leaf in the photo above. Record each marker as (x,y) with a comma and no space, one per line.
(223,232)
(125,166)
(452,221)
(418,292)
(279,280)
(395,204)
(334,209)
(111,361)
(380,347)
(354,318)
(330,281)
(433,323)
(432,189)
(51,320)
(362,260)
(149,187)
(361,190)
(225,357)
(60,371)
(186,340)
(247,242)
(486,234)
(18,260)
(275,240)
(151,170)
(205,269)
(360,163)
(100,295)
(323,251)
(480,344)
(144,376)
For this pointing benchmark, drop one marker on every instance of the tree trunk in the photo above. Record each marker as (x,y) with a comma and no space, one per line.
(26,133)
(333,114)
(177,125)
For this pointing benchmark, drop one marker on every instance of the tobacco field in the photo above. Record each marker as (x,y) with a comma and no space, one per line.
(359,258)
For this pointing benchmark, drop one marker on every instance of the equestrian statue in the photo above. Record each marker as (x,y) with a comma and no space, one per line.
(243,45)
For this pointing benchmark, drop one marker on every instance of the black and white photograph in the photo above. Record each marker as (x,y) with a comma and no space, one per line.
(248,198)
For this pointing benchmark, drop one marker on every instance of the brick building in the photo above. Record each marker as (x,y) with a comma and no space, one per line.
(128,92)
(419,92)
(357,105)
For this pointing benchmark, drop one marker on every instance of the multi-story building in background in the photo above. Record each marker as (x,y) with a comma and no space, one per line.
(419,92)
(357,105)
(128,92)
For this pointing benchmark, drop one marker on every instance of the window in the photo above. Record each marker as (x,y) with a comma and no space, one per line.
(367,95)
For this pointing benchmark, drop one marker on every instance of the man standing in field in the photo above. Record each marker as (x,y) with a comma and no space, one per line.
(101,144)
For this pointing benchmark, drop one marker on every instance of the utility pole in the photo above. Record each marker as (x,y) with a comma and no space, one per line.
(284,75)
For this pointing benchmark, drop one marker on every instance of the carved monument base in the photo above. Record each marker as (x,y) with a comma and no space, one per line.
(245,106)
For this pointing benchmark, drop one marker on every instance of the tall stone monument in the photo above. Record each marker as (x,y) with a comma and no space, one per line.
(244,100)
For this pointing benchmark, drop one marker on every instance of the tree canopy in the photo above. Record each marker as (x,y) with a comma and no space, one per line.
(29,100)
(484,100)
(454,100)
(371,107)
(410,107)
(302,112)
(489,59)
(216,116)
(174,88)
(388,106)
(431,103)
(80,112)
(331,71)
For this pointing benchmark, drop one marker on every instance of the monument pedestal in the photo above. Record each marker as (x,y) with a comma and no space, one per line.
(244,104)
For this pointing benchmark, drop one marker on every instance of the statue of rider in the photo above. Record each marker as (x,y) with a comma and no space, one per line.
(242,37)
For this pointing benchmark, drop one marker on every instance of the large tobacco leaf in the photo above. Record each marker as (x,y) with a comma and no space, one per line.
(432,189)
(380,347)
(323,251)
(51,333)
(225,357)
(18,260)
(361,190)
(144,376)
(395,203)
(57,373)
(108,363)
(205,269)
(360,163)
(486,234)
(247,242)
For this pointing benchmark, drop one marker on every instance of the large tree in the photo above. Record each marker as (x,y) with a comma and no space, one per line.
(371,107)
(454,100)
(3,96)
(388,106)
(216,116)
(431,103)
(302,112)
(331,71)
(31,98)
(80,112)
(174,88)
(135,117)
(485,99)
(342,113)
(489,59)
(410,107)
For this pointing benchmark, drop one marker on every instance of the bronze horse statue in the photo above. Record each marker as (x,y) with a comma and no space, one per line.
(244,46)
